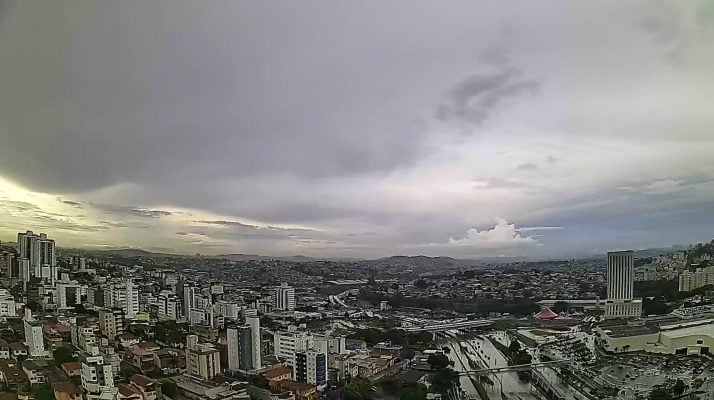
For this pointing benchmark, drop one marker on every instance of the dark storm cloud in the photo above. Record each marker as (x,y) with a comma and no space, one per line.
(131,211)
(70,203)
(104,98)
(527,166)
(323,116)
(42,219)
(476,97)
(238,230)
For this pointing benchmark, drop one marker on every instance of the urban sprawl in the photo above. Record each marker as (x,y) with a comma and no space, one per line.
(134,325)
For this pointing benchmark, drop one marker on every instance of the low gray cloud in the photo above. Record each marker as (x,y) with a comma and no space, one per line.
(527,166)
(476,97)
(322,117)
(131,211)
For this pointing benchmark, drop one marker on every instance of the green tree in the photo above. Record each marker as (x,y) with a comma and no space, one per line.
(168,388)
(260,381)
(62,355)
(438,361)
(443,379)
(357,389)
(44,393)
(514,347)
(391,386)
(659,394)
(559,307)
(414,392)
(678,387)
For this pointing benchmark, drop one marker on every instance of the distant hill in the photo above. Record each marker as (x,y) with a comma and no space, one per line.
(296,258)
(422,262)
(121,252)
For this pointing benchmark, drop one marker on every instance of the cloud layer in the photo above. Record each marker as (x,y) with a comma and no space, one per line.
(358,129)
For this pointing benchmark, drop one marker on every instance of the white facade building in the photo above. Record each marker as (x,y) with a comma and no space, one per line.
(288,343)
(111,322)
(284,297)
(7,304)
(34,340)
(256,339)
(233,342)
(97,376)
(124,295)
(620,301)
(202,359)
(40,253)
(311,367)
(69,293)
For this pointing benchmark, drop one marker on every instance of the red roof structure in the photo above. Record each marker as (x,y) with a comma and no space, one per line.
(546,314)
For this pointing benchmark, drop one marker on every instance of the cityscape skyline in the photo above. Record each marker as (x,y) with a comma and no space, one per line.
(487,136)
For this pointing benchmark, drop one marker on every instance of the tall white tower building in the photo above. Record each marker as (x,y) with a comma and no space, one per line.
(620,301)
(40,253)
(256,339)
(285,297)
(34,339)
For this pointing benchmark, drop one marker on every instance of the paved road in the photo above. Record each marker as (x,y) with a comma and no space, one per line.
(461,364)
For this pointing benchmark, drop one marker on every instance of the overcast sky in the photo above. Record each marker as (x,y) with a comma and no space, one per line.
(358,128)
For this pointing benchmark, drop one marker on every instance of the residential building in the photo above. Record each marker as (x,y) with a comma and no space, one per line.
(96,376)
(66,391)
(69,293)
(4,350)
(286,344)
(202,359)
(34,338)
(124,295)
(7,304)
(111,322)
(311,367)
(144,385)
(284,297)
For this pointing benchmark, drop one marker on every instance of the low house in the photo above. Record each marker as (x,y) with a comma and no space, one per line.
(72,369)
(4,350)
(278,373)
(66,391)
(11,374)
(170,361)
(142,359)
(34,369)
(18,351)
(144,385)
(302,391)
(126,392)
(127,340)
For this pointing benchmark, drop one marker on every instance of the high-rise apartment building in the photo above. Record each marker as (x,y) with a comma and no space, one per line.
(8,264)
(111,322)
(311,367)
(169,306)
(286,344)
(39,250)
(68,294)
(253,323)
(34,339)
(284,297)
(202,359)
(97,376)
(620,301)
(233,345)
(244,346)
(690,280)
(124,295)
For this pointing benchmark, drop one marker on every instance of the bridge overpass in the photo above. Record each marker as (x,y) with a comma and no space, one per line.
(511,368)
(438,326)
